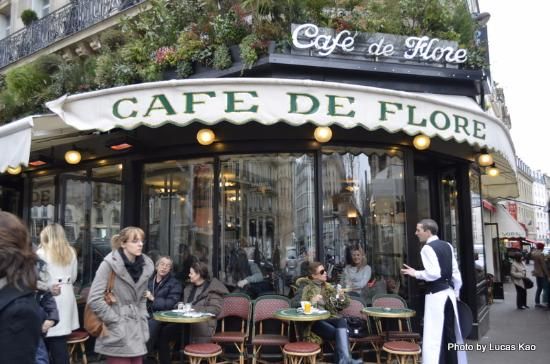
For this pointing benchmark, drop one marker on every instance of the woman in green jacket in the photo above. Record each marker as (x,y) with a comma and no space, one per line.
(323,295)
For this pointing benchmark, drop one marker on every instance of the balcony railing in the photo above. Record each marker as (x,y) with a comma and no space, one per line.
(69,19)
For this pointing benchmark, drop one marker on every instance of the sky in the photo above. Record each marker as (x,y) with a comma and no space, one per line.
(520,55)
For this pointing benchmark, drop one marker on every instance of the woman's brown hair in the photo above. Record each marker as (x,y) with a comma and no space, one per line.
(17,260)
(202,269)
(312,268)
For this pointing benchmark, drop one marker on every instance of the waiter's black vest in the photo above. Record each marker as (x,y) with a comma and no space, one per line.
(444,255)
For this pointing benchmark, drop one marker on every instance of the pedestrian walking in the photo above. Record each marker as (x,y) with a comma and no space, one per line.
(126,319)
(20,315)
(518,272)
(62,267)
(540,272)
(443,283)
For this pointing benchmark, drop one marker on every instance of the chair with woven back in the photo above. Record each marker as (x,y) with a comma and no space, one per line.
(264,309)
(237,306)
(376,341)
(397,302)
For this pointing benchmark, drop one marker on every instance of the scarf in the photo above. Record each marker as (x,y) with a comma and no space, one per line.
(135,269)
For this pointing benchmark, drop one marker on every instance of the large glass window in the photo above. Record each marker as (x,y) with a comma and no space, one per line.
(42,206)
(266,213)
(178,221)
(363,207)
(477,225)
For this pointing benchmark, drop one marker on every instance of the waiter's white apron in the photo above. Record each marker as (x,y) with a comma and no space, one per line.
(434,315)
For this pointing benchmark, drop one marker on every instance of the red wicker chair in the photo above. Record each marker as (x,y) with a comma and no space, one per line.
(395,301)
(197,352)
(403,351)
(264,309)
(235,305)
(376,341)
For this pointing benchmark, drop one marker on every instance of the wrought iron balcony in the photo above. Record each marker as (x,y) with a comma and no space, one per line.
(62,23)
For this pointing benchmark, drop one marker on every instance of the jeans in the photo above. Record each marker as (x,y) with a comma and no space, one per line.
(42,356)
(540,286)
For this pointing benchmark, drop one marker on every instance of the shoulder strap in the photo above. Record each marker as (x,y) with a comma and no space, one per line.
(111,283)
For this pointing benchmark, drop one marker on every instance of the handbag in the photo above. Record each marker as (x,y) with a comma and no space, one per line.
(357,327)
(527,283)
(92,322)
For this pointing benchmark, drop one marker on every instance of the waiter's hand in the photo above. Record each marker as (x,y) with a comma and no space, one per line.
(408,271)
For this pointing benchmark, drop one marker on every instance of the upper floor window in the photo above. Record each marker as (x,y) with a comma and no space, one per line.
(5,23)
(42,7)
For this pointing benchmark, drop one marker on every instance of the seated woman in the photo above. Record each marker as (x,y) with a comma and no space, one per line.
(247,274)
(163,294)
(205,294)
(357,274)
(316,290)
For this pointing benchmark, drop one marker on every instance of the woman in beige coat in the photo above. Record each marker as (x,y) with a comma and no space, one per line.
(518,272)
(126,320)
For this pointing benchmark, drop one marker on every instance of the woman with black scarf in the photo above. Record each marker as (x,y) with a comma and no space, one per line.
(126,319)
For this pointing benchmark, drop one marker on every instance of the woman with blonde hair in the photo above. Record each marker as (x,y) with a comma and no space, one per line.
(126,319)
(358,273)
(62,266)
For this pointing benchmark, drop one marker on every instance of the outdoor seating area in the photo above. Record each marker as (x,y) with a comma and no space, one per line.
(267,329)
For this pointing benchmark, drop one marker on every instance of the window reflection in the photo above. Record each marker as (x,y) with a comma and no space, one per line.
(363,211)
(42,206)
(477,225)
(179,215)
(267,215)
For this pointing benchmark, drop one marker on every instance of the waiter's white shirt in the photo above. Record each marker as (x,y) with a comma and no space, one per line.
(432,271)
(435,303)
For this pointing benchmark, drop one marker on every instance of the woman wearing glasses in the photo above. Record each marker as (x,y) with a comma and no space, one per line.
(323,295)
(126,319)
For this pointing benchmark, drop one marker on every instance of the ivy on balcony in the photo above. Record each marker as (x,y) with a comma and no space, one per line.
(176,37)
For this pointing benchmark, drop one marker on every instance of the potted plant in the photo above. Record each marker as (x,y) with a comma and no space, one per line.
(28,16)
(251,49)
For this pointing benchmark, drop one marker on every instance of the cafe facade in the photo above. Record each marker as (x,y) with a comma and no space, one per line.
(327,144)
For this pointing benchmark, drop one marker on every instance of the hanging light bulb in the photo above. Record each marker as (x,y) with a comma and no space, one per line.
(73,156)
(421,142)
(322,134)
(492,171)
(205,136)
(485,159)
(14,170)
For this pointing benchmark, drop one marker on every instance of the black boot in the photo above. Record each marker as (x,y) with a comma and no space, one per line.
(342,349)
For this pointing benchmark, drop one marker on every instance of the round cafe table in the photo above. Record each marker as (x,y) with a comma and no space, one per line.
(378,313)
(178,317)
(297,315)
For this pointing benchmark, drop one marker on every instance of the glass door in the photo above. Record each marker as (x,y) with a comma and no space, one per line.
(90,212)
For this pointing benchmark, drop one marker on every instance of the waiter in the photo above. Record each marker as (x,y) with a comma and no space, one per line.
(443,281)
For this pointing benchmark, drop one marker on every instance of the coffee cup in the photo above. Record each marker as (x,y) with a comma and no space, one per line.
(306,306)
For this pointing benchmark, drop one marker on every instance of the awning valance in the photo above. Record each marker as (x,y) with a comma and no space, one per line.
(508,227)
(15,143)
(296,102)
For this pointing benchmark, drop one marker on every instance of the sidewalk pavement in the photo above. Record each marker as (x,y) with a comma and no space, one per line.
(528,330)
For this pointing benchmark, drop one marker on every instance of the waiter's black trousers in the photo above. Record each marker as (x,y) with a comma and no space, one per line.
(448,336)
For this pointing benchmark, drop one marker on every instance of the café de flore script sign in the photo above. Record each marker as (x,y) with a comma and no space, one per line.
(309,39)
(270,101)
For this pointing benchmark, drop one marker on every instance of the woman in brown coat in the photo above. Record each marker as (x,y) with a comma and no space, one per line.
(205,294)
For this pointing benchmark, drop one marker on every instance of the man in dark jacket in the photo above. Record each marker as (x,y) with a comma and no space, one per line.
(163,294)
